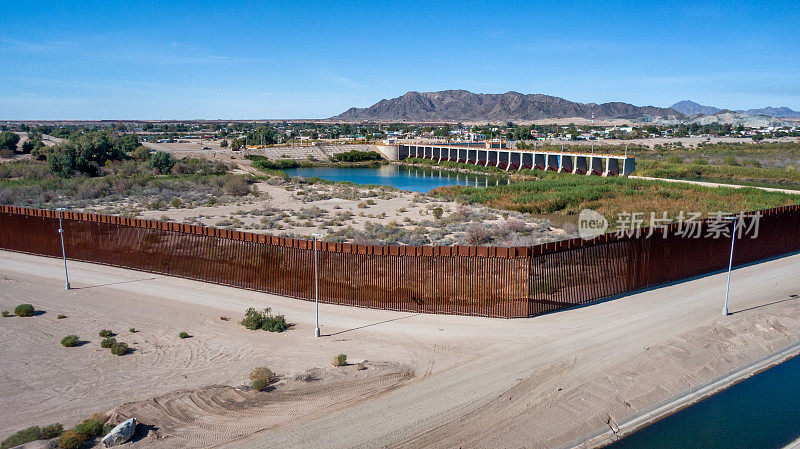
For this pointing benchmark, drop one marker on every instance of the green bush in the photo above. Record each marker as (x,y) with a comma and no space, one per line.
(21,437)
(274,323)
(265,320)
(357,156)
(61,316)
(32,434)
(70,341)
(89,428)
(340,360)
(278,164)
(162,162)
(253,319)
(108,342)
(105,333)
(731,160)
(438,212)
(51,431)
(183,335)
(262,377)
(260,384)
(6,313)
(24,310)
(119,348)
(132,330)
(71,440)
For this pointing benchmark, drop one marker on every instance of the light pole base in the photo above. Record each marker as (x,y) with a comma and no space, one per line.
(724,311)
(316,332)
(67,285)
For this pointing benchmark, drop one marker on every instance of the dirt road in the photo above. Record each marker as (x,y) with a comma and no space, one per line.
(719,184)
(478,382)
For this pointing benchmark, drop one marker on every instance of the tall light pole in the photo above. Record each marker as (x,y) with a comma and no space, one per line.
(316,286)
(63,251)
(730,265)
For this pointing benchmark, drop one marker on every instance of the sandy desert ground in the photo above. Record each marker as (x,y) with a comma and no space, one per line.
(433,381)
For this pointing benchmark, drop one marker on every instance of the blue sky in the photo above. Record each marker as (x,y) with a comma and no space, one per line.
(184,60)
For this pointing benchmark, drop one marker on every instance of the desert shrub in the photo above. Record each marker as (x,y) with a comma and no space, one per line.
(308,213)
(61,316)
(6,314)
(510,225)
(24,310)
(119,348)
(51,431)
(108,342)
(361,366)
(236,186)
(253,319)
(70,341)
(183,335)
(477,234)
(21,437)
(108,428)
(105,333)
(71,440)
(265,320)
(438,212)
(262,377)
(89,428)
(340,360)
(32,434)
(133,330)
(274,323)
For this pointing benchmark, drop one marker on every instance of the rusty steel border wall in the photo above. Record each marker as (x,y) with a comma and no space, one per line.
(480,281)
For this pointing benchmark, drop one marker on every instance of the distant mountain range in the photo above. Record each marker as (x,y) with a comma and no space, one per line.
(462,105)
(688,107)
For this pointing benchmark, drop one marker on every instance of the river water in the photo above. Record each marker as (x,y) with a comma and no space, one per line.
(406,178)
(762,412)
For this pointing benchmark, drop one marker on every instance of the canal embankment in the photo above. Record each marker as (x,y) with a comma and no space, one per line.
(615,430)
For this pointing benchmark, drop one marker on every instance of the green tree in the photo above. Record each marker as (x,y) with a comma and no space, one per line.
(33,144)
(162,162)
(85,153)
(141,153)
(127,143)
(8,141)
(224,143)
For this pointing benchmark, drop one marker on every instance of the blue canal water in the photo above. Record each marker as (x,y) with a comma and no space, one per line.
(407,178)
(762,412)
